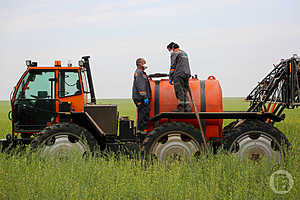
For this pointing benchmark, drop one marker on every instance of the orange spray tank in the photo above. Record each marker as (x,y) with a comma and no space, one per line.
(207,95)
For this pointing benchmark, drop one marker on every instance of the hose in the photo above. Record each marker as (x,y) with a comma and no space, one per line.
(198,119)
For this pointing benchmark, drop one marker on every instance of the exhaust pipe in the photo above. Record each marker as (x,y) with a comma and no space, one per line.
(90,80)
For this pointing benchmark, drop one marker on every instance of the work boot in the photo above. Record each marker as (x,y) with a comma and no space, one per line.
(188,108)
(179,108)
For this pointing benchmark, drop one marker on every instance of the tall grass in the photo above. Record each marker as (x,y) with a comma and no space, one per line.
(220,176)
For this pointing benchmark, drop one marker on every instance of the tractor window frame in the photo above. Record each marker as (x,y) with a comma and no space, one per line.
(21,91)
(61,86)
(85,81)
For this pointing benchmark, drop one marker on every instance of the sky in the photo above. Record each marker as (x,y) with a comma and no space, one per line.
(237,41)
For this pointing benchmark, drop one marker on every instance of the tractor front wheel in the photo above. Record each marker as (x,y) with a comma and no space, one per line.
(62,140)
(173,141)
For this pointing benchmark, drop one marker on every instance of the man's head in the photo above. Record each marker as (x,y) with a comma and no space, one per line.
(173,47)
(140,63)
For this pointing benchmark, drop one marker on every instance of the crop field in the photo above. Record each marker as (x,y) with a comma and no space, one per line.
(220,176)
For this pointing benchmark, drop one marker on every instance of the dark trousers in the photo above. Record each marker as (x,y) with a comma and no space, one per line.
(181,86)
(143,115)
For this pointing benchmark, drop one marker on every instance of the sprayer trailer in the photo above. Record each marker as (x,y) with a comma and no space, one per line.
(54,110)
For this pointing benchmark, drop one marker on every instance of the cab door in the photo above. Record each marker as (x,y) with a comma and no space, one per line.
(70,93)
(34,102)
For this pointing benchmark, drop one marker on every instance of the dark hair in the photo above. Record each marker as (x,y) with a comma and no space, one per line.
(138,61)
(172,45)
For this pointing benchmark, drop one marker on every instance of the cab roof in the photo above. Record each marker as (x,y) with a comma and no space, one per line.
(55,68)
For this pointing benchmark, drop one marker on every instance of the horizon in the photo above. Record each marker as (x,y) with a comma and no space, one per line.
(129,98)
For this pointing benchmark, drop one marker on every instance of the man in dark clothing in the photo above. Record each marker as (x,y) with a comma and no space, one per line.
(141,95)
(179,75)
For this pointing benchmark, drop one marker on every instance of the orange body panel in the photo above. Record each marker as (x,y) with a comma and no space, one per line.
(85,98)
(207,95)
(77,102)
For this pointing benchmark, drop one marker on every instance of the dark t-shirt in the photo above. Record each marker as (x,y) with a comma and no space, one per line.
(179,65)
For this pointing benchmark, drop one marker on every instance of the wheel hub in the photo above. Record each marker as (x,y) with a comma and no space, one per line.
(63,145)
(175,148)
(256,154)
(255,148)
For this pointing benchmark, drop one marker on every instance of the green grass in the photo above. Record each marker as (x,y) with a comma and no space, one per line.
(220,176)
(5,125)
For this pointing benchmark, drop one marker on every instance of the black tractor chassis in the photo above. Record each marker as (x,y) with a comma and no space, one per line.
(129,141)
(218,115)
(11,143)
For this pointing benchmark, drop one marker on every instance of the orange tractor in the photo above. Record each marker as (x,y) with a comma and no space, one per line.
(54,110)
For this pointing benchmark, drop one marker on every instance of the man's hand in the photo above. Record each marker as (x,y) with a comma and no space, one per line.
(171,82)
(146,101)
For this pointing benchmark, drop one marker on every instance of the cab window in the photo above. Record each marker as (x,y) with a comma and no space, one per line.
(37,85)
(40,86)
(69,84)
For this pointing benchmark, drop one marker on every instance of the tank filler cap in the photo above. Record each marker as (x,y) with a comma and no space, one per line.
(211,78)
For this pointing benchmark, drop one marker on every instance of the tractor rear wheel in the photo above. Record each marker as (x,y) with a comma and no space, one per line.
(64,139)
(257,141)
(173,141)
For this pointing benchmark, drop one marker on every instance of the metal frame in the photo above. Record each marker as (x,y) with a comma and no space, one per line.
(278,90)
(217,115)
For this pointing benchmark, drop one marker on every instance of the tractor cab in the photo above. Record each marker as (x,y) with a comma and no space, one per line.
(49,96)
(43,92)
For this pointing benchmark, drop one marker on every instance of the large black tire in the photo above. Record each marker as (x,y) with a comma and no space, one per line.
(174,140)
(256,140)
(64,137)
(227,129)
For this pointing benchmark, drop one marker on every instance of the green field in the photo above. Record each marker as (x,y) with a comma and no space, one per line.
(220,176)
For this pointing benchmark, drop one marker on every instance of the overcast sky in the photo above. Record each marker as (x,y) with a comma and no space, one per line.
(237,41)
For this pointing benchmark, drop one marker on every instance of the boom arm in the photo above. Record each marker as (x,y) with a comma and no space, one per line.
(278,90)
